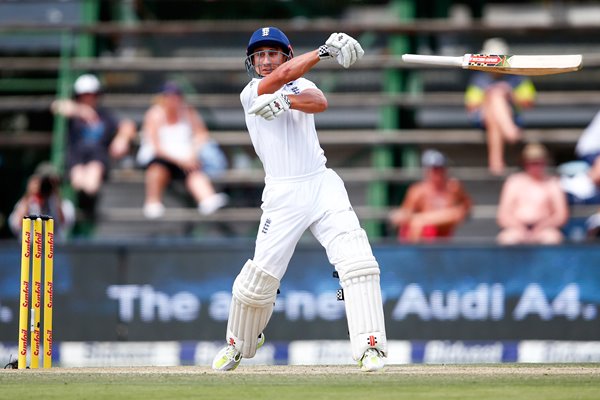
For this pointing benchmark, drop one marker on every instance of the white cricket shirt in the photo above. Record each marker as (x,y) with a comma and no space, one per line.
(287,146)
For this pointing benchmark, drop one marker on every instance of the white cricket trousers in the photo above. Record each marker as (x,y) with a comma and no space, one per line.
(317,201)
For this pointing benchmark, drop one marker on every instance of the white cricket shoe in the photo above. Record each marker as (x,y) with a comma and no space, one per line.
(228,358)
(372,360)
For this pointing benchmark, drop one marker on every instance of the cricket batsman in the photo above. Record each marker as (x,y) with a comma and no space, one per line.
(300,193)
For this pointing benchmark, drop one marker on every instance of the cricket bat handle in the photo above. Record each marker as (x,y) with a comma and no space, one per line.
(433,60)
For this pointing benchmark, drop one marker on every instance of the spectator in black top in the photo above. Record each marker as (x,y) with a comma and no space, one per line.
(94,135)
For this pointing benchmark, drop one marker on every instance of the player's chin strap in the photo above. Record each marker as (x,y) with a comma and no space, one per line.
(254,293)
(359,276)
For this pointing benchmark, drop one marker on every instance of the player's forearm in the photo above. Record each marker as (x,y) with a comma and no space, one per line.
(298,66)
(309,101)
(288,71)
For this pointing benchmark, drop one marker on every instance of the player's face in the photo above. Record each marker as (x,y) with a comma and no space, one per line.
(267,59)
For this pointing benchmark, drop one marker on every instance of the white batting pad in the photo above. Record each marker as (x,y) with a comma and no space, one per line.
(254,293)
(359,276)
(364,310)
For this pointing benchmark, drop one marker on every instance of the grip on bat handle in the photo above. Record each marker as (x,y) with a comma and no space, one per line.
(433,60)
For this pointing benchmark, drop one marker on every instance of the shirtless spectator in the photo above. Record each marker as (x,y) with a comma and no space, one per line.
(433,207)
(532,206)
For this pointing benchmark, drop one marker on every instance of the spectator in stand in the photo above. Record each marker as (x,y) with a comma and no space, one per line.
(94,135)
(433,207)
(42,196)
(173,136)
(581,179)
(494,103)
(533,206)
(592,225)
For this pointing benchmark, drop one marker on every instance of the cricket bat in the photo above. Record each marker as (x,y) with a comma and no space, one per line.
(504,64)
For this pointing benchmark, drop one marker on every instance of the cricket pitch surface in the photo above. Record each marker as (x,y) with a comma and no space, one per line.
(414,381)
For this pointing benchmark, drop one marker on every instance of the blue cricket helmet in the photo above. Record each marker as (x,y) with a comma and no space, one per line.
(269,36)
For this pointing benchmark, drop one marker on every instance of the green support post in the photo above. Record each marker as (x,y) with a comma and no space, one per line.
(63,91)
(125,12)
(395,82)
(86,44)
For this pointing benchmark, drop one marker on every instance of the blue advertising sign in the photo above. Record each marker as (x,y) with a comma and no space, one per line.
(181,291)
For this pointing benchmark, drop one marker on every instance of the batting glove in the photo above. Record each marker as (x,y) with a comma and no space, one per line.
(270,106)
(344,48)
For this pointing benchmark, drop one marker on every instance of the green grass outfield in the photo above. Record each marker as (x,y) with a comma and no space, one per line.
(490,381)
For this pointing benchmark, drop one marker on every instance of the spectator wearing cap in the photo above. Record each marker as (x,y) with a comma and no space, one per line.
(94,136)
(434,206)
(533,206)
(173,135)
(494,103)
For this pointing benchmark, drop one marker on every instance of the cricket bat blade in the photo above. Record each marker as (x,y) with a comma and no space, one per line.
(505,64)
